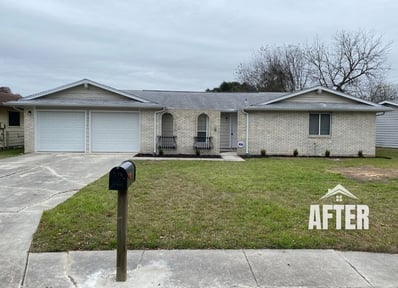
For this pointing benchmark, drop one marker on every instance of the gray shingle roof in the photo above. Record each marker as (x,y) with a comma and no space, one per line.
(205,100)
(153,99)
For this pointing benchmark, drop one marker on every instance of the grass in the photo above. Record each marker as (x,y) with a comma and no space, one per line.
(259,203)
(10,152)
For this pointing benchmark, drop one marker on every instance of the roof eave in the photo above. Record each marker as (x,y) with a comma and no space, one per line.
(320,109)
(97,105)
(388,103)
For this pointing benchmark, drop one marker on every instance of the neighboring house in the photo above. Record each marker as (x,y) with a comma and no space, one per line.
(11,121)
(387,126)
(86,116)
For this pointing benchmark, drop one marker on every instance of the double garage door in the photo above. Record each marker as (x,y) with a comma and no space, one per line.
(73,131)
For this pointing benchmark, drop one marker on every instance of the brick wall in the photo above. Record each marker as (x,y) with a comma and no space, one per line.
(276,132)
(185,128)
(282,132)
(29,130)
(146,126)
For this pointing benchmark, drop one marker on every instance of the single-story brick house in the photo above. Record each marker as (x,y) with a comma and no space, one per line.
(86,116)
(387,126)
(11,121)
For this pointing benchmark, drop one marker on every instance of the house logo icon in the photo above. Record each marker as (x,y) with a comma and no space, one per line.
(339,191)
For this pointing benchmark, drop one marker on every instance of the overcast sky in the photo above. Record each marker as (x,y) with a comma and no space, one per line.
(171,45)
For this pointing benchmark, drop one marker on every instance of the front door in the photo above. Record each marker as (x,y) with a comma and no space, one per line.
(228,131)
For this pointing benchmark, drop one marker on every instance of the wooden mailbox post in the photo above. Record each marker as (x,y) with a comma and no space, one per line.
(120,178)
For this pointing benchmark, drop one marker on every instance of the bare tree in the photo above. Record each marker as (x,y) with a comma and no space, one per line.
(276,69)
(354,59)
(352,63)
(264,72)
(298,67)
(380,91)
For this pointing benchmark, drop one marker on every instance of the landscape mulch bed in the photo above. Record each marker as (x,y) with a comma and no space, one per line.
(179,156)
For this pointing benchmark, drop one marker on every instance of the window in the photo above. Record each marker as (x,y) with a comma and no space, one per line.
(202,139)
(202,127)
(167,125)
(167,140)
(320,123)
(13,118)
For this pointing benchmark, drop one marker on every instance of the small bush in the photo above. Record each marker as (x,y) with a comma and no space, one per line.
(295,153)
(327,153)
(263,152)
(197,152)
(360,154)
(161,153)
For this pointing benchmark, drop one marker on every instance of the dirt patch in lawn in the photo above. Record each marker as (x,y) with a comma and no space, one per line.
(367,173)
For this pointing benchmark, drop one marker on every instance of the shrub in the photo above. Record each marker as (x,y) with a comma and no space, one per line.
(263,152)
(197,152)
(295,153)
(360,154)
(161,153)
(327,153)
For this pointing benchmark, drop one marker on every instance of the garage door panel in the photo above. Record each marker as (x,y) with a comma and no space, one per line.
(115,132)
(60,131)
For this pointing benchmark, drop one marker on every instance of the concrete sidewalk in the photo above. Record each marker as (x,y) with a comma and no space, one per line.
(214,268)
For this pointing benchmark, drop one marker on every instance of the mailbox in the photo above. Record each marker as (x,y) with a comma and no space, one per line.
(121,177)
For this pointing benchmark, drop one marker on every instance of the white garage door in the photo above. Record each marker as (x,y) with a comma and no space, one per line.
(60,131)
(115,132)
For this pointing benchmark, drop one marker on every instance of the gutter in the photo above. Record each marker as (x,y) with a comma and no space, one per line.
(155,128)
(18,109)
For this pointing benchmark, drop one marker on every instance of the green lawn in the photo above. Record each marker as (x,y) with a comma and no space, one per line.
(259,203)
(10,152)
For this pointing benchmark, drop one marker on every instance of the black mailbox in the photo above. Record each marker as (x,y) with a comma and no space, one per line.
(121,177)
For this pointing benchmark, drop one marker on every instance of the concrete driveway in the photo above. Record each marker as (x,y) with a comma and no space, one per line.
(32,183)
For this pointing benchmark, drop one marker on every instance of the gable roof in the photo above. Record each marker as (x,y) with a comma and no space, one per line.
(84,82)
(39,99)
(319,89)
(277,104)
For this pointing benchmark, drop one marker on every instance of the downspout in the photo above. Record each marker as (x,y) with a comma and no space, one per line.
(155,129)
(247,132)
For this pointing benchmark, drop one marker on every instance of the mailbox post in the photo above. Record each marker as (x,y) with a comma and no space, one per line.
(120,178)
